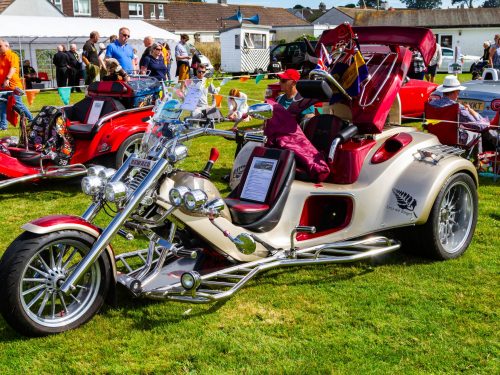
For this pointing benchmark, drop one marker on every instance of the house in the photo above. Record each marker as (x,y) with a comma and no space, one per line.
(307,14)
(29,7)
(466,28)
(339,15)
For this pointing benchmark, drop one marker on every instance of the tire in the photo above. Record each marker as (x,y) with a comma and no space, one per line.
(128,147)
(31,272)
(452,221)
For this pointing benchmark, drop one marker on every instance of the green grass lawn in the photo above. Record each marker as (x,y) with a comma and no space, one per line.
(398,314)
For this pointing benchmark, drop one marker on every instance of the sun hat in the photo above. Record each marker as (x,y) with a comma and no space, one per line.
(450,83)
(292,74)
(102,46)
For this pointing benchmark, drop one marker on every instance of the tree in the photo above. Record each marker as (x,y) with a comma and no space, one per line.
(368,3)
(422,4)
(351,5)
(463,2)
(491,4)
(298,6)
(322,7)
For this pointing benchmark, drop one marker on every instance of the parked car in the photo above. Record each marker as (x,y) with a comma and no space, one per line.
(449,57)
(413,94)
(288,55)
(481,92)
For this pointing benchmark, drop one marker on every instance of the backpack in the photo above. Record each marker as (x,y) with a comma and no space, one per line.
(49,135)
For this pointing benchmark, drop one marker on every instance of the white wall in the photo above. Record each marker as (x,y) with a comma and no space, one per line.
(470,40)
(230,57)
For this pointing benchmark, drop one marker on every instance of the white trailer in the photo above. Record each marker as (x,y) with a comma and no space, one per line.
(245,49)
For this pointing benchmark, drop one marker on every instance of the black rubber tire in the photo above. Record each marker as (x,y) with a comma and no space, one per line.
(126,148)
(459,190)
(18,307)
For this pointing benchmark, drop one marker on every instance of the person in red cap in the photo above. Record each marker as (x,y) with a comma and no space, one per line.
(288,83)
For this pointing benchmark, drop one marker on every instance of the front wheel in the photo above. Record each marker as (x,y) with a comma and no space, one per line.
(32,271)
(131,145)
(452,221)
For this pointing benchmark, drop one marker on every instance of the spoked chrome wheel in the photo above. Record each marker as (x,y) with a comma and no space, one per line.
(131,145)
(456,216)
(32,271)
(452,220)
(45,272)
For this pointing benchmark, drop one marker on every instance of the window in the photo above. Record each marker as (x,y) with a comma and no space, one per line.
(81,7)
(153,13)
(57,4)
(446,41)
(135,10)
(161,13)
(447,52)
(237,44)
(278,52)
(255,41)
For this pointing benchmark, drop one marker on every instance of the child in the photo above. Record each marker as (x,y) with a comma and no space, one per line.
(237,103)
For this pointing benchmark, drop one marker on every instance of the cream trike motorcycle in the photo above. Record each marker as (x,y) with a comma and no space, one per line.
(388,184)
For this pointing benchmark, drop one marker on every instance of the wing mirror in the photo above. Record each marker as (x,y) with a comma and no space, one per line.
(261,111)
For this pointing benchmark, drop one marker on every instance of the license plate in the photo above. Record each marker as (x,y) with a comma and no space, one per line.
(141,163)
(276,65)
(476,105)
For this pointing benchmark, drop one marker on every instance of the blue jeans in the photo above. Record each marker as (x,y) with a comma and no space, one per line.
(3,111)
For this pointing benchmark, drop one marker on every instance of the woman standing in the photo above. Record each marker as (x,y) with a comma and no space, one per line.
(154,63)
(167,59)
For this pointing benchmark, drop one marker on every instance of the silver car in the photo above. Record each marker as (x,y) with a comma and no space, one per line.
(449,57)
(481,92)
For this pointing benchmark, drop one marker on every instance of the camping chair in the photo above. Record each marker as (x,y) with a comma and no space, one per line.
(44,77)
(448,129)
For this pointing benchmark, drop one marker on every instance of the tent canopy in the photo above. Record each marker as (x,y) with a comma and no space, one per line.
(53,30)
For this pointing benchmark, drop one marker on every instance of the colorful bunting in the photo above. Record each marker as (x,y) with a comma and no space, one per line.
(259,78)
(64,94)
(218,100)
(239,102)
(244,78)
(224,81)
(30,95)
(208,82)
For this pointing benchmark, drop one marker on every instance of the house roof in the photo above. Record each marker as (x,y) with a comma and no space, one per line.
(307,13)
(207,17)
(339,15)
(4,4)
(433,18)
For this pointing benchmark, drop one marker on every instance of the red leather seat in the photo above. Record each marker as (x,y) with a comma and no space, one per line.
(263,215)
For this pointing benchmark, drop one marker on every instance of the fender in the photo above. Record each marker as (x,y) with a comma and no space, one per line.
(12,167)
(54,223)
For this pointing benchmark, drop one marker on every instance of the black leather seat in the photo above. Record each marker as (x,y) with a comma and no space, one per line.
(322,129)
(261,216)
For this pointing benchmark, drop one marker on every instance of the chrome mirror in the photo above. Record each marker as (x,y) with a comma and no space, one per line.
(261,111)
(245,243)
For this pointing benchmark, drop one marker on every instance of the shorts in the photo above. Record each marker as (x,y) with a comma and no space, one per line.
(183,72)
(431,69)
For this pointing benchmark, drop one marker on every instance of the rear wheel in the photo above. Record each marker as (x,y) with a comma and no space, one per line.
(32,271)
(131,145)
(452,221)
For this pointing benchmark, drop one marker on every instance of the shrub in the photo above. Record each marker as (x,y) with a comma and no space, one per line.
(210,50)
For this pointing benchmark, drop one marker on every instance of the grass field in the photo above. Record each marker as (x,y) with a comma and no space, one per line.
(399,314)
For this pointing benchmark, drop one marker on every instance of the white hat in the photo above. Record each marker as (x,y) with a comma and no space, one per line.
(450,83)
(102,46)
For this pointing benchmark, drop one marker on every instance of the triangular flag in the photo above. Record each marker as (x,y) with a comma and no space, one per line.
(179,93)
(188,82)
(259,78)
(225,80)
(244,78)
(12,116)
(30,95)
(64,94)
(239,102)
(208,82)
(218,100)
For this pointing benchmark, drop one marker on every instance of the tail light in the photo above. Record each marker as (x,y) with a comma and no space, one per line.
(495,105)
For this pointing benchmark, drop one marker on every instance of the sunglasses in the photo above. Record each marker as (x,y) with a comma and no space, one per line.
(202,71)
(125,35)
(157,49)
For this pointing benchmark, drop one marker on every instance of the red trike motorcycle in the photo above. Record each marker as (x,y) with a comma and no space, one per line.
(104,127)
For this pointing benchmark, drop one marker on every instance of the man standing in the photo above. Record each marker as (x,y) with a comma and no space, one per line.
(90,58)
(434,64)
(61,61)
(74,69)
(148,42)
(121,51)
(9,80)
(182,59)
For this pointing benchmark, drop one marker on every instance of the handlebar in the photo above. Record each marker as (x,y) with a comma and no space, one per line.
(329,78)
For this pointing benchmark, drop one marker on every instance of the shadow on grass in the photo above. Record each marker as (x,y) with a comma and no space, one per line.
(69,187)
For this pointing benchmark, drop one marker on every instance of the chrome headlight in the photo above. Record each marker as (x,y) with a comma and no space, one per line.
(94,171)
(180,152)
(176,195)
(115,191)
(190,280)
(195,199)
(106,173)
(92,185)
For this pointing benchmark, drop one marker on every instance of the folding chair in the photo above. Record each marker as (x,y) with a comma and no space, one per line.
(44,77)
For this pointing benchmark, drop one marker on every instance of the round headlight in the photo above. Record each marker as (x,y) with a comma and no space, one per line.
(106,173)
(115,191)
(190,280)
(94,171)
(92,185)
(176,195)
(195,199)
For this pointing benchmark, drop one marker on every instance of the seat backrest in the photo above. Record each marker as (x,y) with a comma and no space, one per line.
(321,130)
(265,174)
(447,128)
(43,76)
(90,110)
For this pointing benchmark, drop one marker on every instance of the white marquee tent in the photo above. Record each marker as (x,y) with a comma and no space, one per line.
(29,33)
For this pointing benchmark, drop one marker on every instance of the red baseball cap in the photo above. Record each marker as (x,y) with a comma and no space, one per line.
(292,74)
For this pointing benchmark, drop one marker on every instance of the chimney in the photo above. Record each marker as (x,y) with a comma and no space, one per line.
(222,2)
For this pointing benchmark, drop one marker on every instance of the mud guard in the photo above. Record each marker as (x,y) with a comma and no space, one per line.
(53,223)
